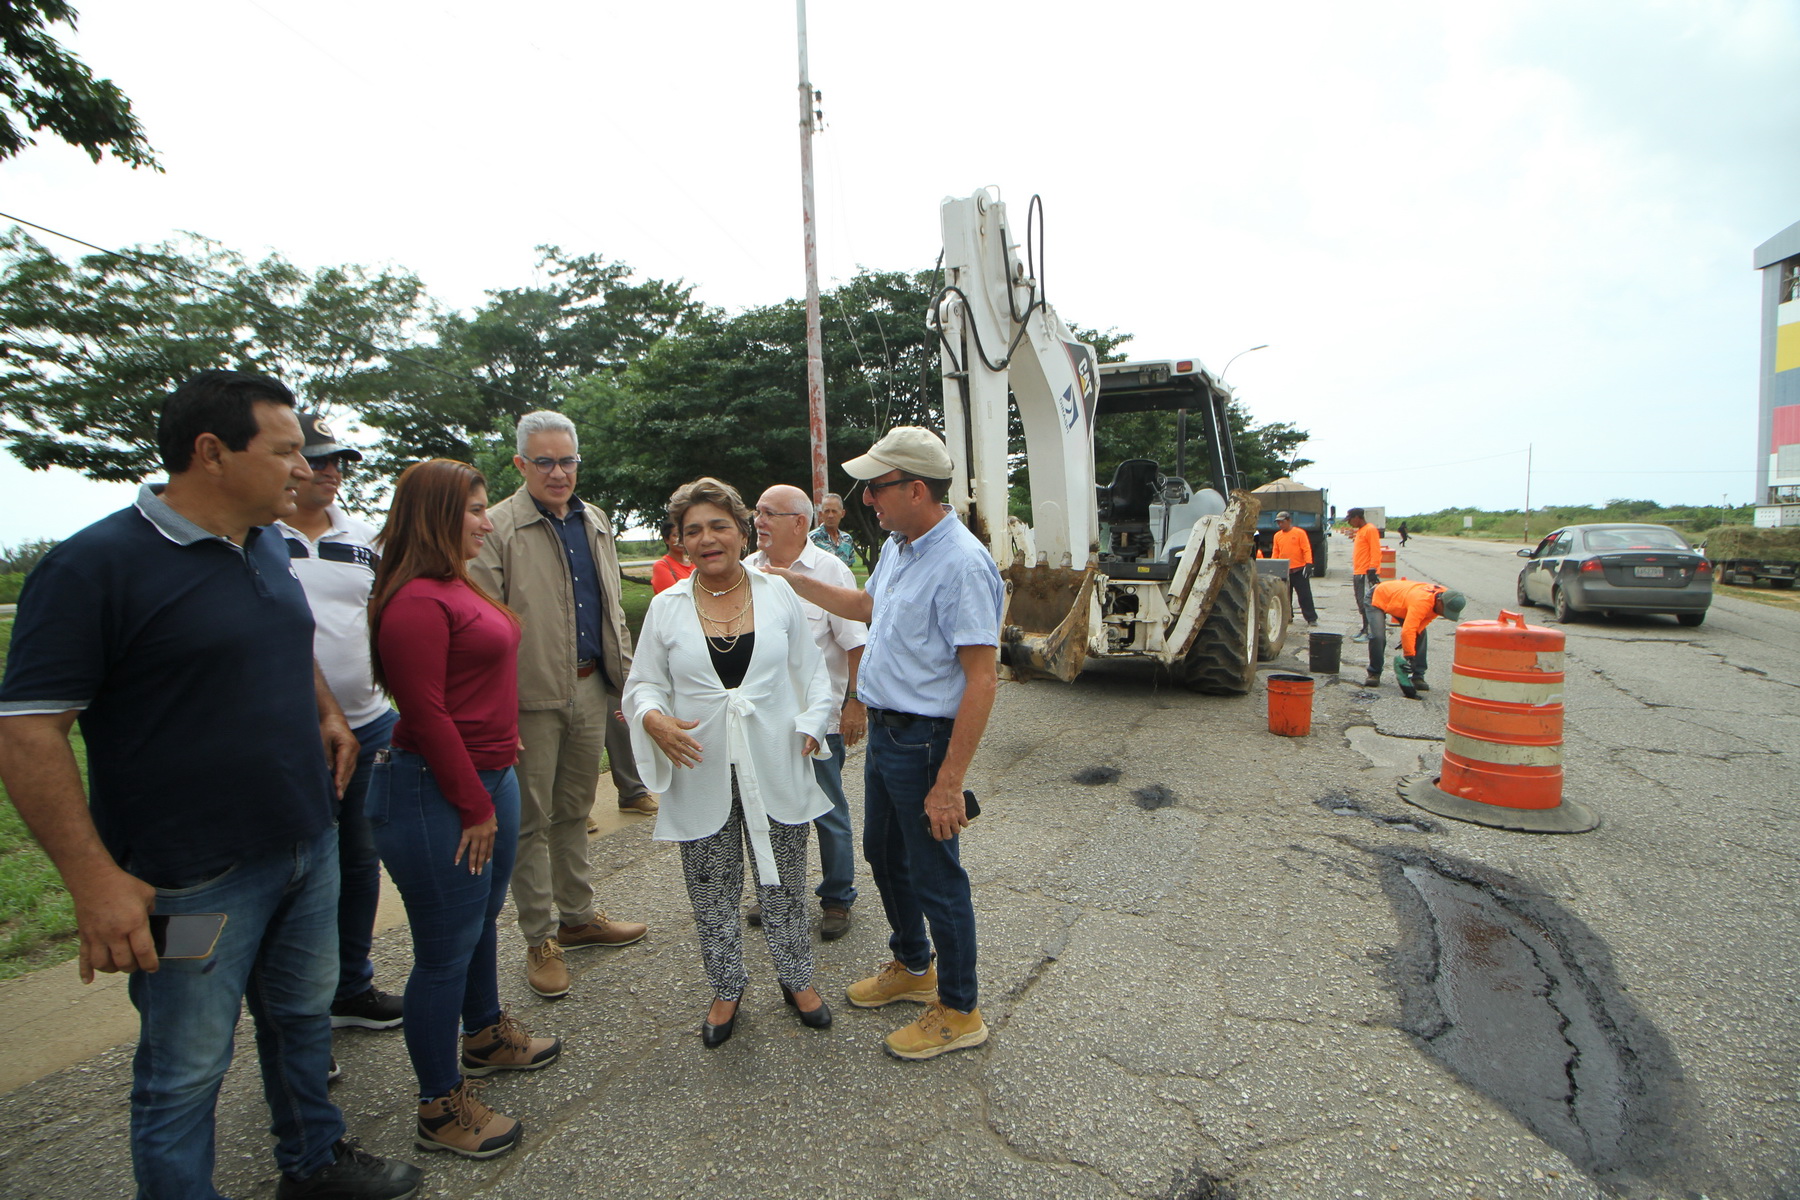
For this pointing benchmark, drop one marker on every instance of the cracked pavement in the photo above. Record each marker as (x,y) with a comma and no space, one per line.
(1188,1000)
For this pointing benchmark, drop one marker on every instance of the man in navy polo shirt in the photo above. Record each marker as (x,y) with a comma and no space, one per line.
(177,634)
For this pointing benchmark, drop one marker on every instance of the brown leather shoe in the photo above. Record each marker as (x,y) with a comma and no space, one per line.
(546,971)
(834,922)
(645,805)
(601,931)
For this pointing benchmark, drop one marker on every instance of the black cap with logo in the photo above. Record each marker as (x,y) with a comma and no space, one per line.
(321,442)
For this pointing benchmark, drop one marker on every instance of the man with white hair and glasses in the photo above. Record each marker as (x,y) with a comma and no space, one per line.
(552,561)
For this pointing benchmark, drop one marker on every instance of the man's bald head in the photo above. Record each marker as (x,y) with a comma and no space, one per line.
(783,517)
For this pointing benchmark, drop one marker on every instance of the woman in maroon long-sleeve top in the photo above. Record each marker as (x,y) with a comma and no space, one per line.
(445,804)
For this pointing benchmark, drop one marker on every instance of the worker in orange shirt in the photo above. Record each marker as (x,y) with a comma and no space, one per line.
(1415,604)
(1293,545)
(1365,568)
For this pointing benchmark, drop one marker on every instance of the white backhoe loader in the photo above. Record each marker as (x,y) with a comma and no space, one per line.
(1146,566)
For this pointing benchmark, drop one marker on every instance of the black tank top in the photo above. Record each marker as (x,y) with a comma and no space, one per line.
(734,663)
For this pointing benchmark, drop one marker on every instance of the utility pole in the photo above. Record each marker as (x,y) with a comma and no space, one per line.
(815,352)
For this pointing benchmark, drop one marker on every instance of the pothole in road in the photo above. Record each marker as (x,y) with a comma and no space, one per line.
(1517,998)
(1199,1185)
(1153,797)
(1344,804)
(1095,776)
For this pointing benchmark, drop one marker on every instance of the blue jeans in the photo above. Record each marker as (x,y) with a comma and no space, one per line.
(358,866)
(278,950)
(451,912)
(919,877)
(837,846)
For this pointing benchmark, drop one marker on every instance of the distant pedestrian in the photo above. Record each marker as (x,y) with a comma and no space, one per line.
(446,805)
(1415,604)
(1403,533)
(1293,545)
(179,636)
(828,536)
(334,555)
(672,567)
(1365,568)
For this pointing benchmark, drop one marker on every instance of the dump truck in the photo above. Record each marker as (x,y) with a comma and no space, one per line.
(1746,555)
(1150,565)
(1309,509)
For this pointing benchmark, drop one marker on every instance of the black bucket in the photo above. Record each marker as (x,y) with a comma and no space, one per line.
(1323,652)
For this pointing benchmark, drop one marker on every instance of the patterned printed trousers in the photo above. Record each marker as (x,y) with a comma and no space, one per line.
(714,870)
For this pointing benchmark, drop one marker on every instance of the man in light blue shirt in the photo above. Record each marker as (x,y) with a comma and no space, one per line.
(928,678)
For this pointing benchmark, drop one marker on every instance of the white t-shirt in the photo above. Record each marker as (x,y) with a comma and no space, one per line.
(338,573)
(835,636)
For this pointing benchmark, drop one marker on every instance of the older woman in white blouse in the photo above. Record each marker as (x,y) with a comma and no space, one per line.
(727,699)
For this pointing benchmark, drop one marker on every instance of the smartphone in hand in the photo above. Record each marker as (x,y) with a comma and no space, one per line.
(971,808)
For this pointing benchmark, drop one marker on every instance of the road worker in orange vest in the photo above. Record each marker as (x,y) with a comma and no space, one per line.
(1365,567)
(1293,545)
(1415,604)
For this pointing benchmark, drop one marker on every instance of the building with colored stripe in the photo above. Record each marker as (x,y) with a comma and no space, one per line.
(1778,421)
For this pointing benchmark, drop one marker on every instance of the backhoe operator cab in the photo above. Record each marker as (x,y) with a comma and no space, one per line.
(1146,516)
(1143,565)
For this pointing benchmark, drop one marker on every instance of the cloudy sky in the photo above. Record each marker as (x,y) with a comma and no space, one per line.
(1461,229)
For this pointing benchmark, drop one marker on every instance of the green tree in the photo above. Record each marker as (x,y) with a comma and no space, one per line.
(44,87)
(1264,452)
(459,392)
(89,350)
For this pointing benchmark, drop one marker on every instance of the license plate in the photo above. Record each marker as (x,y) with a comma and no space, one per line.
(1648,572)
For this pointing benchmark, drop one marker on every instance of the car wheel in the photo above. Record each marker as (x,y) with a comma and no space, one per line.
(1525,601)
(1690,619)
(1559,600)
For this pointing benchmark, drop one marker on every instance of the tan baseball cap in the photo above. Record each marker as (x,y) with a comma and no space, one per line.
(907,448)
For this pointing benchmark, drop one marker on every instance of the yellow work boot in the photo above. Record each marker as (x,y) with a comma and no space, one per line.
(894,982)
(939,1030)
(464,1125)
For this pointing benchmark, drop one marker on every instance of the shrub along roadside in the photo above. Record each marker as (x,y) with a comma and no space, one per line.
(1509,524)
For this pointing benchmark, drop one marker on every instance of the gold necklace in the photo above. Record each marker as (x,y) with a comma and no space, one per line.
(723,642)
(742,575)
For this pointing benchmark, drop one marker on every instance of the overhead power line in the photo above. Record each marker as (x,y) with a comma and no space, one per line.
(355,339)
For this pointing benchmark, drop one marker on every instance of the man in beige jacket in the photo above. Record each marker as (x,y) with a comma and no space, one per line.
(551,560)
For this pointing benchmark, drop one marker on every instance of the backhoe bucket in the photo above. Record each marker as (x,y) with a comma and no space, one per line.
(1045,632)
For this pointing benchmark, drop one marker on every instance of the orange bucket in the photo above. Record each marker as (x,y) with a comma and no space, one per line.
(1290,705)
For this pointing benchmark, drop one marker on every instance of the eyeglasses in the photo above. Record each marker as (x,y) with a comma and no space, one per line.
(547,465)
(769,512)
(876,487)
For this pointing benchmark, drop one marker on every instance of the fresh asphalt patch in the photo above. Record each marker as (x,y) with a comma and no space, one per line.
(1518,998)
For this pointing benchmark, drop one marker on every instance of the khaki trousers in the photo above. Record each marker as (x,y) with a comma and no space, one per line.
(559,769)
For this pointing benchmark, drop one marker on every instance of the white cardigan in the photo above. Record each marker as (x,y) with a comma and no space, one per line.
(756,727)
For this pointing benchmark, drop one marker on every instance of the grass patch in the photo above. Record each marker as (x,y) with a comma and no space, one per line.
(1788,598)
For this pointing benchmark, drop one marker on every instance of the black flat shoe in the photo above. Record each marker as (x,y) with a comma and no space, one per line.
(818,1018)
(713,1036)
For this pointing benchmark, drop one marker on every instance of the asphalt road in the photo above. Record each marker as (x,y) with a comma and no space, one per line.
(1241,968)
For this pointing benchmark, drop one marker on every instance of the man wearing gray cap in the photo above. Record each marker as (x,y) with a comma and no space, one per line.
(928,680)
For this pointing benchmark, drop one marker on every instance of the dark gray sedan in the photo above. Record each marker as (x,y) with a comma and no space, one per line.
(1617,569)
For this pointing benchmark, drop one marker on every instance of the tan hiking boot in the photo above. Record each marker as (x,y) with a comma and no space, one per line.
(939,1030)
(644,805)
(507,1045)
(546,971)
(894,982)
(463,1125)
(601,931)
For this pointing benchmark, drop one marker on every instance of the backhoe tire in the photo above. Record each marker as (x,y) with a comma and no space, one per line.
(1222,660)
(1272,621)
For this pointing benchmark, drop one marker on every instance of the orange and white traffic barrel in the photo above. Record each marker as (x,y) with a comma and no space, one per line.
(1386,569)
(1503,742)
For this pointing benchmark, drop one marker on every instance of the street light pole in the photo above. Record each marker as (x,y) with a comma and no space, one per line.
(1239,355)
